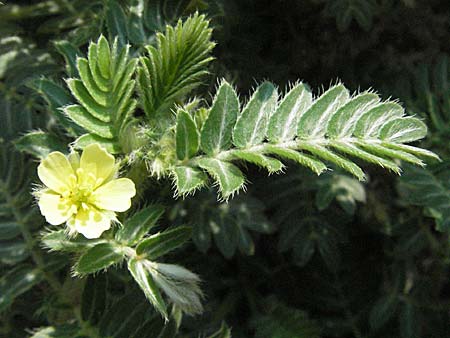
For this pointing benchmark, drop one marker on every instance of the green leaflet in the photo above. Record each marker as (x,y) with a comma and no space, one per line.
(161,243)
(271,164)
(88,84)
(187,136)
(13,252)
(16,282)
(93,106)
(251,126)
(217,129)
(57,240)
(97,258)
(227,175)
(313,123)
(403,130)
(392,153)
(86,139)
(9,230)
(340,161)
(412,150)
(370,124)
(350,149)
(69,52)
(342,123)
(139,224)
(145,281)
(283,123)
(315,165)
(39,144)
(81,117)
(56,97)
(188,179)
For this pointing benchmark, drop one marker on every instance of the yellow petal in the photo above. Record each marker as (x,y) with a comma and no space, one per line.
(115,195)
(55,209)
(91,222)
(55,172)
(97,161)
(74,160)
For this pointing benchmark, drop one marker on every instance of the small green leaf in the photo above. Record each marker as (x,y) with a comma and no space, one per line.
(227,175)
(378,149)
(251,126)
(342,123)
(92,106)
(109,144)
(116,22)
(100,97)
(283,123)
(13,252)
(187,136)
(147,284)
(328,155)
(304,249)
(101,82)
(272,165)
(58,241)
(201,236)
(9,230)
(225,237)
(97,258)
(104,56)
(403,130)
(69,52)
(138,225)
(188,179)
(16,282)
(56,97)
(412,150)
(40,144)
(81,117)
(371,122)
(314,121)
(245,241)
(315,165)
(352,150)
(161,243)
(217,129)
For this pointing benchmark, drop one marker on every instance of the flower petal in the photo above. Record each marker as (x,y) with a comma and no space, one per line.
(55,172)
(115,195)
(98,161)
(54,208)
(91,222)
(74,160)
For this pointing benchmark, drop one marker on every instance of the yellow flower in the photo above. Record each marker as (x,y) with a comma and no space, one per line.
(83,192)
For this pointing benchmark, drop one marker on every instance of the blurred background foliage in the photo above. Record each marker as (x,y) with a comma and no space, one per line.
(297,256)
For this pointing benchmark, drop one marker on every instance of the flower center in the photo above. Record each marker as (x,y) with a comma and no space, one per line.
(80,196)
